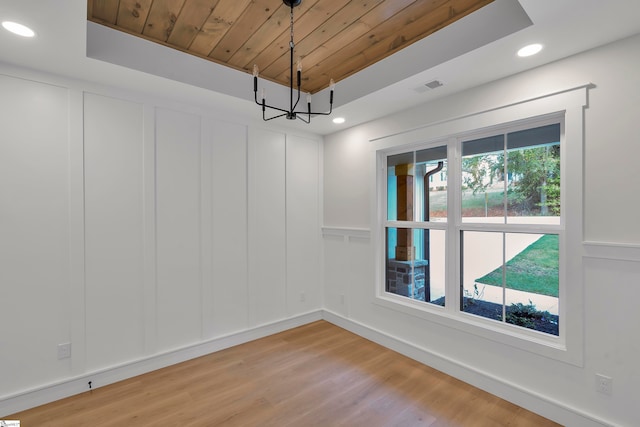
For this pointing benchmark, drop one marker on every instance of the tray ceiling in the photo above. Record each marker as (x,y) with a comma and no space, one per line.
(334,39)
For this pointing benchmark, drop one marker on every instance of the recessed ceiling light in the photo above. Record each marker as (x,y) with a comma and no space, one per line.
(529,50)
(18,29)
(338,120)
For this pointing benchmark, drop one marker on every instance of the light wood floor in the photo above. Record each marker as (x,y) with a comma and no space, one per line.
(314,375)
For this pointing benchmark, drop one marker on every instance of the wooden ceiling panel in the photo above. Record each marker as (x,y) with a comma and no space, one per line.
(278,26)
(398,32)
(162,17)
(335,39)
(332,27)
(217,25)
(132,14)
(193,15)
(256,14)
(103,10)
(366,23)
(274,26)
(304,25)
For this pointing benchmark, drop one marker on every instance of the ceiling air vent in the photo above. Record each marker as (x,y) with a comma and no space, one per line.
(433,84)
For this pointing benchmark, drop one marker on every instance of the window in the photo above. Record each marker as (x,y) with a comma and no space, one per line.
(415,263)
(549,216)
(482,235)
(511,189)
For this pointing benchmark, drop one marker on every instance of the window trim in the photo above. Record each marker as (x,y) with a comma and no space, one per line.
(568,107)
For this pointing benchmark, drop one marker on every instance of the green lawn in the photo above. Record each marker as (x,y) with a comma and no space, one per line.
(534,270)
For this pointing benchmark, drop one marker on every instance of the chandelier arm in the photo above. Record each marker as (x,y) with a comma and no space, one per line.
(291,106)
(276,108)
(297,100)
(299,75)
(265,105)
(311,113)
(271,107)
(274,117)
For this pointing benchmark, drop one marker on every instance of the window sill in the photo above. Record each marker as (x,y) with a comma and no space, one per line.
(524,339)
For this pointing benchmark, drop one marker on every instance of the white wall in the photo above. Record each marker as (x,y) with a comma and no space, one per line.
(136,228)
(610,261)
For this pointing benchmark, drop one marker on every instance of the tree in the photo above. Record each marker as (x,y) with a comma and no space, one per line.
(535,180)
(533,177)
(479,171)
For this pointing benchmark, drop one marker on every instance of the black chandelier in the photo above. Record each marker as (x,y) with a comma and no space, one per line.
(291,113)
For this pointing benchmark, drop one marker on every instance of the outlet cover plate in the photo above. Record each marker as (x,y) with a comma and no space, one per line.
(64,350)
(604,384)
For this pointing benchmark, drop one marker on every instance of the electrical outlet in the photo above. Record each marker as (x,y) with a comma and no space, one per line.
(64,350)
(341,299)
(303,297)
(604,384)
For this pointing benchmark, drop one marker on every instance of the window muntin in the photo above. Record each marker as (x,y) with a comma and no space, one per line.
(494,166)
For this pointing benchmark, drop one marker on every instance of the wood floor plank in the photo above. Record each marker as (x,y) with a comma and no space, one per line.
(314,375)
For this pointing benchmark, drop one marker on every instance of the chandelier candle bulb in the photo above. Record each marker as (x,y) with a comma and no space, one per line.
(255,78)
(332,86)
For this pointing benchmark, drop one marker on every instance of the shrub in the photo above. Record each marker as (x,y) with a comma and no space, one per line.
(526,315)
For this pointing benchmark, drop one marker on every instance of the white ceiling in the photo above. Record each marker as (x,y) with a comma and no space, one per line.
(564,27)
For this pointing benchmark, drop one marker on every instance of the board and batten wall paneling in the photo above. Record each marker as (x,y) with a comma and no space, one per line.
(114,228)
(267,226)
(336,286)
(304,277)
(610,351)
(34,243)
(228,143)
(178,309)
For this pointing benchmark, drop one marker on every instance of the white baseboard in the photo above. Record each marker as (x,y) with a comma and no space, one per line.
(556,411)
(69,387)
(530,400)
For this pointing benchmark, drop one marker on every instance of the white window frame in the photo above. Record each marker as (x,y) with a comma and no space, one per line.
(565,107)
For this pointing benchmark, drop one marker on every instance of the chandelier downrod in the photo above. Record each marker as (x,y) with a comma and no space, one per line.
(291,113)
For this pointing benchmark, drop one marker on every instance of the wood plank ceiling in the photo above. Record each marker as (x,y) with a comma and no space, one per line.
(333,38)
